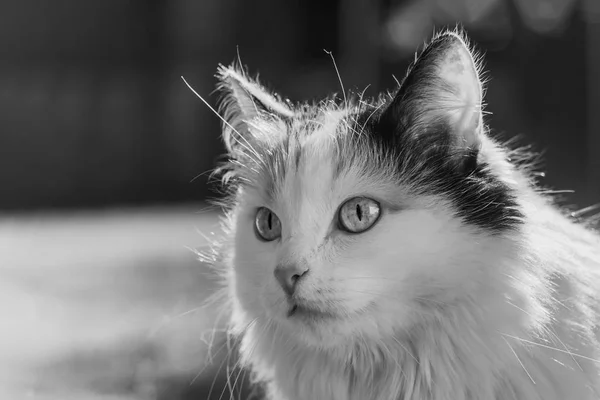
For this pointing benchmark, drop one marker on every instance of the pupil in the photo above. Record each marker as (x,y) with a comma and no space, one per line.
(270,221)
(359,212)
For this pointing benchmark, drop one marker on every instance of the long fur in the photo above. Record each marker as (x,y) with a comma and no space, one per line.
(474,284)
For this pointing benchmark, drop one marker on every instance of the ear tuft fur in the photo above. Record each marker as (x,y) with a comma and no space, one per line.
(440,100)
(244,99)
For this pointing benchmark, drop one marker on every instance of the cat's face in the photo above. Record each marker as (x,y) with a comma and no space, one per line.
(353,221)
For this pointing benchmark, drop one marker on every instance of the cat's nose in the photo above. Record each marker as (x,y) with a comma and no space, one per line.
(288,276)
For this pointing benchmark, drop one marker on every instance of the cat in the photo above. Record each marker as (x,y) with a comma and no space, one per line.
(393,249)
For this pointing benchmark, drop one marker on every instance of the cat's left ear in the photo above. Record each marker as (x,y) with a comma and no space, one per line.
(243,101)
(440,100)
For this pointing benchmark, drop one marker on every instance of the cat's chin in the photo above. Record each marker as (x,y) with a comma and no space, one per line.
(315,328)
(321,334)
(309,315)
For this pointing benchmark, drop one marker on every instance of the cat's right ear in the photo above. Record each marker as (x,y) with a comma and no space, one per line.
(245,100)
(439,103)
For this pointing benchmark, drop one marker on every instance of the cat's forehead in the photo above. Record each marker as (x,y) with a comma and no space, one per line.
(311,146)
(321,156)
(319,129)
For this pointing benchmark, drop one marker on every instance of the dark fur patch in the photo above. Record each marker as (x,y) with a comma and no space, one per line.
(427,153)
(429,164)
(420,84)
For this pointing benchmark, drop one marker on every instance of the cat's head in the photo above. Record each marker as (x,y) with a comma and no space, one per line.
(354,218)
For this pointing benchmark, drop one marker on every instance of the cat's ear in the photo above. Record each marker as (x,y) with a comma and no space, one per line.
(243,101)
(440,100)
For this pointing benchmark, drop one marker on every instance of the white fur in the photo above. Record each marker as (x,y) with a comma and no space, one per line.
(486,317)
(426,306)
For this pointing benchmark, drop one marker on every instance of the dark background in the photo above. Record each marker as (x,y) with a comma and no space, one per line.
(104,154)
(93,112)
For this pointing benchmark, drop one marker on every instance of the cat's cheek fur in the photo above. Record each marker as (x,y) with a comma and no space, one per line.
(413,260)
(252,261)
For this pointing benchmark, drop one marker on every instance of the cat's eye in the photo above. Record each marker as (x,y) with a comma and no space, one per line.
(267,225)
(359,214)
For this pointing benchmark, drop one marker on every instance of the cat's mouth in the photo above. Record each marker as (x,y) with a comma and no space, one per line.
(292,310)
(297,310)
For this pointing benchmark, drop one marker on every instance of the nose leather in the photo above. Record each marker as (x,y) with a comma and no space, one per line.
(288,276)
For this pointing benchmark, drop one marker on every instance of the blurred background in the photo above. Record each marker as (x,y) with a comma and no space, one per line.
(104,154)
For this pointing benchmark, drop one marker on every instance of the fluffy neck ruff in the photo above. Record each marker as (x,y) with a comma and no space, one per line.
(449,357)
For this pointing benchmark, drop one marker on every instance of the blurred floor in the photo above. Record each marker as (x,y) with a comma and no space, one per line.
(107,305)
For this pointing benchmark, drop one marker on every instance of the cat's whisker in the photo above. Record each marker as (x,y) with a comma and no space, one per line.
(362,128)
(351,128)
(583,211)
(556,191)
(209,361)
(229,385)
(362,94)
(365,104)
(211,242)
(227,374)
(188,312)
(339,76)
(252,153)
(240,389)
(209,172)
(519,360)
(217,372)
(232,387)
(247,145)
(242,166)
(210,353)
(406,350)
(556,337)
(249,354)
(550,348)
(391,356)
(214,331)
